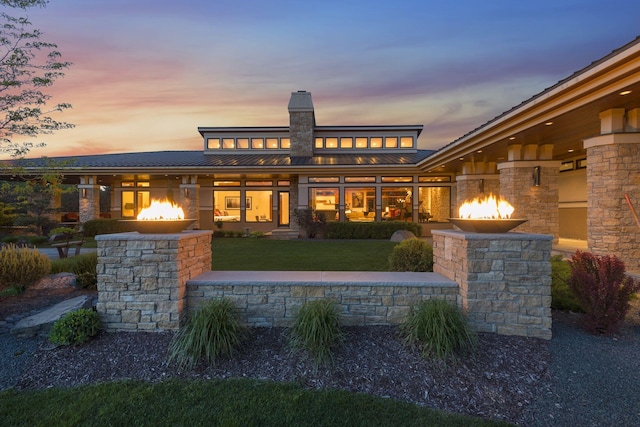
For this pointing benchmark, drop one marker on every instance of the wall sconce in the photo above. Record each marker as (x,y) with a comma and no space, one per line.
(186,192)
(481,186)
(536,176)
(84,193)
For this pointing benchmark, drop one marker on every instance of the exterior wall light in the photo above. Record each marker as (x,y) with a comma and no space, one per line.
(536,176)
(84,193)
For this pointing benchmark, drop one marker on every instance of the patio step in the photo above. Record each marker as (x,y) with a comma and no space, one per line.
(282,234)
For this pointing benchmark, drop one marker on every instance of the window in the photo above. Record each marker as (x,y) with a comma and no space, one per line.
(376,142)
(397,203)
(142,184)
(391,142)
(259,206)
(319,143)
(326,201)
(226,183)
(285,143)
(406,142)
(434,179)
(242,143)
(133,202)
(320,179)
(346,142)
(257,143)
(361,142)
(259,183)
(213,143)
(226,206)
(397,179)
(360,204)
(331,143)
(272,143)
(228,143)
(434,204)
(359,179)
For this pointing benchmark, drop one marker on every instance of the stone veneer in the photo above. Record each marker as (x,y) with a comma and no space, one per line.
(363,298)
(504,279)
(142,277)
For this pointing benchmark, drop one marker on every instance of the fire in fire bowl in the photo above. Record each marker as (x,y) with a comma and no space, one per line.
(486,225)
(168,226)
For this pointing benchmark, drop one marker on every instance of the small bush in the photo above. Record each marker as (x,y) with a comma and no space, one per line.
(37,240)
(213,331)
(369,230)
(75,327)
(256,235)
(21,266)
(218,233)
(83,266)
(561,296)
(316,329)
(87,281)
(411,255)
(313,223)
(603,289)
(10,239)
(439,328)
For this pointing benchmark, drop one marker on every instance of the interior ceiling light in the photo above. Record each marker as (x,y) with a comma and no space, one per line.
(479,151)
(461,158)
(571,150)
(625,92)
(442,165)
(512,138)
(548,123)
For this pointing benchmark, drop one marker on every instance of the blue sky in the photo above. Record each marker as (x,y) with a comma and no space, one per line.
(147,73)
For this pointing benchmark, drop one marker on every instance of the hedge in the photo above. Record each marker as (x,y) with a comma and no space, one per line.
(369,230)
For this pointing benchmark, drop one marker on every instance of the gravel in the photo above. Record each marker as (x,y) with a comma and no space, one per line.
(575,379)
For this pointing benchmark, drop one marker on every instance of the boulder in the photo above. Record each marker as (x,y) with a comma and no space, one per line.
(401,235)
(40,323)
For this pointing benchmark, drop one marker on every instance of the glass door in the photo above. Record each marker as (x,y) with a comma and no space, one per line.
(283,208)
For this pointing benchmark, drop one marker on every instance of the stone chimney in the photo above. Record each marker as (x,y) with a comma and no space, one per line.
(302,120)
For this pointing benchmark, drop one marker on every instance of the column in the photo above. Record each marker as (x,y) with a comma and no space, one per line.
(89,198)
(190,199)
(613,170)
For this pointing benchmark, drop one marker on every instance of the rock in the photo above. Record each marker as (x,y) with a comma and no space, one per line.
(40,323)
(401,235)
(59,280)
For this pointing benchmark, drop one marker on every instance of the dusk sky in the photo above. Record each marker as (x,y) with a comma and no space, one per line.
(147,73)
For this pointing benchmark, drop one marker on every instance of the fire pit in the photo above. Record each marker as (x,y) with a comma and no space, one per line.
(162,217)
(490,215)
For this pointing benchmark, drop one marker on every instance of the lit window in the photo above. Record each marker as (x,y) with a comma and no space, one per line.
(376,142)
(272,143)
(285,143)
(284,183)
(213,143)
(360,204)
(361,142)
(434,179)
(434,204)
(259,183)
(397,179)
(391,142)
(242,143)
(406,142)
(318,179)
(228,143)
(257,143)
(142,184)
(346,142)
(319,143)
(325,201)
(226,206)
(226,183)
(397,203)
(360,179)
(331,142)
(128,184)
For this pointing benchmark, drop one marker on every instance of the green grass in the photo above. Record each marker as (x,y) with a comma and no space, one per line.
(214,403)
(300,255)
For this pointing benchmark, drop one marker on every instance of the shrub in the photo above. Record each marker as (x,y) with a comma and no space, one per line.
(316,329)
(83,266)
(37,240)
(411,255)
(369,230)
(213,331)
(256,235)
(75,327)
(218,233)
(603,289)
(561,296)
(439,329)
(10,239)
(313,223)
(21,266)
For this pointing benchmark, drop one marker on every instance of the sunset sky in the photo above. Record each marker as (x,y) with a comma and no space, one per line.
(147,73)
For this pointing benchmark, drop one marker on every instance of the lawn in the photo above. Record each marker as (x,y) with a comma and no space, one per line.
(300,255)
(214,403)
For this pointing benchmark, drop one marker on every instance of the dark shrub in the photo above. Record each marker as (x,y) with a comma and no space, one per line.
(75,327)
(411,255)
(313,223)
(369,230)
(603,289)
(94,227)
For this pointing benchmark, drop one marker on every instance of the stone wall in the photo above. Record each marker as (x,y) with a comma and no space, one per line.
(142,277)
(363,298)
(504,279)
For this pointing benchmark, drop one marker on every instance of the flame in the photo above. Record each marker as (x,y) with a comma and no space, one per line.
(489,208)
(161,210)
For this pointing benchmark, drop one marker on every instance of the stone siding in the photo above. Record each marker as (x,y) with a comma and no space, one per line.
(301,126)
(142,277)
(274,298)
(504,279)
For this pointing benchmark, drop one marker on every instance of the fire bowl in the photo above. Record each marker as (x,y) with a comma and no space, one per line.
(486,225)
(159,226)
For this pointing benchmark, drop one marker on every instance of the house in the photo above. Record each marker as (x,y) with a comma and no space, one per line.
(565,158)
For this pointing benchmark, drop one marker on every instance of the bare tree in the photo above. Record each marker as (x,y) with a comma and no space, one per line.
(28,66)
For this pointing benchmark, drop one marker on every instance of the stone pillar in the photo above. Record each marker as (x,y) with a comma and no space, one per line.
(142,278)
(190,199)
(294,199)
(613,170)
(301,124)
(504,279)
(472,186)
(532,187)
(89,198)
